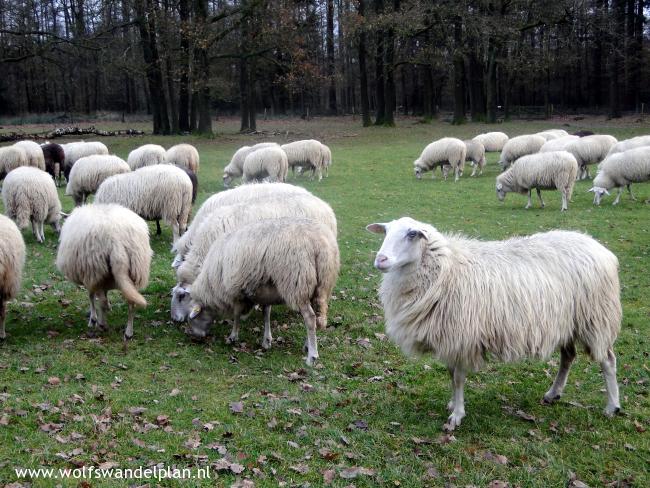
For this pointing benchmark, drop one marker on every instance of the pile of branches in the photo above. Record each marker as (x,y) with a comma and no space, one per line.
(69,131)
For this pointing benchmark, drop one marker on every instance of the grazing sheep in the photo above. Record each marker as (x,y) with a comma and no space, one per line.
(184,155)
(551,134)
(558,144)
(552,290)
(11,157)
(235,168)
(232,217)
(35,157)
(447,150)
(475,154)
(146,155)
(89,172)
(155,192)
(106,247)
(326,158)
(544,171)
(77,150)
(492,141)
(54,160)
(29,195)
(628,144)
(195,188)
(590,150)
(583,133)
(267,163)
(280,261)
(621,169)
(306,154)
(12,260)
(519,146)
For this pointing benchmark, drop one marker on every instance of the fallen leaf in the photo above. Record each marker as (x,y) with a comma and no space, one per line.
(495,458)
(162,419)
(418,440)
(237,407)
(526,416)
(350,473)
(237,468)
(174,392)
(445,439)
(137,410)
(108,465)
(328,476)
(498,484)
(300,468)
(54,381)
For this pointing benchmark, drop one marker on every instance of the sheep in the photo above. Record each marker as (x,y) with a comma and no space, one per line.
(590,150)
(106,247)
(235,168)
(240,194)
(11,157)
(551,134)
(267,163)
(492,141)
(278,261)
(12,261)
(89,172)
(29,195)
(146,155)
(475,154)
(184,155)
(619,170)
(583,133)
(307,154)
(558,144)
(155,192)
(551,290)
(545,171)
(326,158)
(54,159)
(76,150)
(628,144)
(35,157)
(519,146)
(447,150)
(232,217)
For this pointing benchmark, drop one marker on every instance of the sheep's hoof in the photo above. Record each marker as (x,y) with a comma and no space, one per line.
(612,410)
(321,323)
(232,339)
(549,399)
(453,421)
(266,344)
(127,336)
(103,327)
(311,360)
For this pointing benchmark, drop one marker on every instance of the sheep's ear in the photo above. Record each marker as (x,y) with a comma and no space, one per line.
(376,228)
(196,309)
(499,186)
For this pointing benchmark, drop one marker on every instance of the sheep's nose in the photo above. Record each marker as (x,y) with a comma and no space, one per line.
(381,261)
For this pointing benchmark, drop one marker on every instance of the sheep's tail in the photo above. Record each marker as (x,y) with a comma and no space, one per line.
(128,289)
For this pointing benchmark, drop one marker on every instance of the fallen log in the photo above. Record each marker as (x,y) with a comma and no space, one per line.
(68,131)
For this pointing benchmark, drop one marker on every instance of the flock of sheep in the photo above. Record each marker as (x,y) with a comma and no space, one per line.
(548,160)
(267,242)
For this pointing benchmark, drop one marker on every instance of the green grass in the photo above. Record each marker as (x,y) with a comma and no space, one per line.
(366,404)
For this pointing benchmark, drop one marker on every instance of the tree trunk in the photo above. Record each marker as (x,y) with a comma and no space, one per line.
(202,68)
(459,74)
(330,58)
(491,83)
(380,101)
(389,68)
(616,61)
(184,67)
(363,73)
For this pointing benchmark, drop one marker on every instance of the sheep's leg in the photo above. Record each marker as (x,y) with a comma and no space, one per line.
(102,310)
(567,355)
(618,195)
(539,195)
(233,338)
(3,313)
(42,231)
(35,231)
(474,166)
(450,404)
(530,203)
(158,229)
(587,172)
(629,190)
(457,173)
(320,174)
(92,321)
(608,366)
(321,305)
(128,332)
(458,399)
(176,231)
(565,201)
(311,344)
(268,338)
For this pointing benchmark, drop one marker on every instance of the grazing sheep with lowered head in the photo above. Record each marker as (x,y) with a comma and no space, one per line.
(519,146)
(89,172)
(590,150)
(627,144)
(235,168)
(306,154)
(106,247)
(558,144)
(492,141)
(269,163)
(447,150)
(552,290)
(54,160)
(77,150)
(11,157)
(184,155)
(146,155)
(475,154)
(621,170)
(35,157)
(12,261)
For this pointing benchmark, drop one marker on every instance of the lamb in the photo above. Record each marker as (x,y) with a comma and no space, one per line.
(11,157)
(628,144)
(29,195)
(590,150)
(519,146)
(184,155)
(155,192)
(34,153)
(235,168)
(279,261)
(552,290)
(267,163)
(146,155)
(558,144)
(106,247)
(76,150)
(12,261)
(544,171)
(307,154)
(551,134)
(475,154)
(447,150)
(230,218)
(621,169)
(89,172)
(492,141)
(54,159)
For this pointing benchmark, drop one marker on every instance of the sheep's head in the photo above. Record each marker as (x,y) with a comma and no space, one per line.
(403,245)
(417,168)
(598,193)
(181,305)
(501,193)
(201,319)
(227,178)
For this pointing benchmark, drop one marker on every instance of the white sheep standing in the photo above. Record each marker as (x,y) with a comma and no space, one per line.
(146,155)
(307,154)
(12,261)
(475,154)
(558,144)
(184,155)
(235,168)
(29,195)
(552,134)
(35,156)
(519,146)
(76,150)
(161,192)
(627,144)
(492,141)
(11,157)
(106,247)
(268,163)
(590,150)
(621,170)
(544,171)
(279,261)
(552,290)
(89,172)
(447,150)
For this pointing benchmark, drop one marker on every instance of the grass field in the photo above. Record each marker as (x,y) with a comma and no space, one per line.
(263,417)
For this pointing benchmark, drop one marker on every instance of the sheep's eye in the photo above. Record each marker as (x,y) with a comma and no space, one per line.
(412,234)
